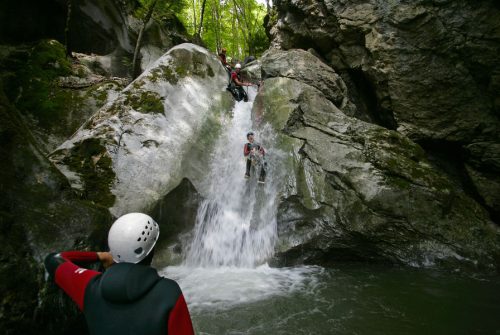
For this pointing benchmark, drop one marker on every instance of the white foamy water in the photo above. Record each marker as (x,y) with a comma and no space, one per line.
(235,232)
(224,287)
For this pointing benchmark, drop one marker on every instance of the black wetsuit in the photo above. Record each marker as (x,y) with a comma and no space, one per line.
(246,152)
(127,299)
(237,91)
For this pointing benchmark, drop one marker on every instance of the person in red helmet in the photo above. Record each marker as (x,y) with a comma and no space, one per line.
(129,297)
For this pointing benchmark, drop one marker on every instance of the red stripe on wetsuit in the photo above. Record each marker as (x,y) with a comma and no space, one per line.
(74,279)
(246,149)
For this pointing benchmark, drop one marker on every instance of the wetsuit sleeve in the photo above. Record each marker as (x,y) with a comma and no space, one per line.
(234,76)
(246,149)
(70,277)
(179,320)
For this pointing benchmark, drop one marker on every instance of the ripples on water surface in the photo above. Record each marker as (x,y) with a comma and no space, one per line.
(351,299)
(228,292)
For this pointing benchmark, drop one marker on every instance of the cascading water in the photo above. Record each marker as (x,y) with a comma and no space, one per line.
(236,224)
(235,232)
(231,290)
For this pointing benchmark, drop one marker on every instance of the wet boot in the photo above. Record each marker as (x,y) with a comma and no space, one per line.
(262,177)
(247,173)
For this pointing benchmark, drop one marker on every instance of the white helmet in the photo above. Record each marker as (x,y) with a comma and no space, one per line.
(237,66)
(132,237)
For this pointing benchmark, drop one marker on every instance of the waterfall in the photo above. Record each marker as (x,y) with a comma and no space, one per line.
(236,224)
(235,231)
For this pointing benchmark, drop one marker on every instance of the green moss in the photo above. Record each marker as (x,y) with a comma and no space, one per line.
(200,66)
(401,160)
(101,96)
(168,74)
(34,88)
(181,70)
(146,102)
(91,161)
(154,75)
(398,182)
(99,92)
(138,84)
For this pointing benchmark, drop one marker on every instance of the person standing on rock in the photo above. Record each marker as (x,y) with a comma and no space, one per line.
(251,150)
(129,297)
(223,60)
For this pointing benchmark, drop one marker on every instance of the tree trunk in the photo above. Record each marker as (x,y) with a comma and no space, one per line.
(66,30)
(244,27)
(135,66)
(216,24)
(194,17)
(201,19)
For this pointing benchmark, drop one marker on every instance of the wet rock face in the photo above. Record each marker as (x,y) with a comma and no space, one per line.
(105,28)
(156,132)
(176,214)
(357,191)
(54,94)
(302,65)
(428,69)
(39,214)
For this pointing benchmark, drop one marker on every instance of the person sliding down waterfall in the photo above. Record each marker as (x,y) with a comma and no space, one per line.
(255,154)
(129,297)
(236,85)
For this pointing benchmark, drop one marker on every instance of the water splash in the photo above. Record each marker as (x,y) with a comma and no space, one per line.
(235,231)
(236,224)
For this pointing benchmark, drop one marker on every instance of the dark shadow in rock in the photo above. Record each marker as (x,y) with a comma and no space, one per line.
(176,214)
(449,157)
(364,96)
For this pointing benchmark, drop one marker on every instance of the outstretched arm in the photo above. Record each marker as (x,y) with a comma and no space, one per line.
(241,83)
(69,276)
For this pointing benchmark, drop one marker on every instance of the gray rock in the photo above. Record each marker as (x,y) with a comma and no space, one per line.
(158,131)
(430,70)
(55,95)
(483,167)
(299,64)
(39,213)
(357,191)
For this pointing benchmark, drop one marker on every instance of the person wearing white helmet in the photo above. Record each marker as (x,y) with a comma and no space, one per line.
(129,297)
(237,84)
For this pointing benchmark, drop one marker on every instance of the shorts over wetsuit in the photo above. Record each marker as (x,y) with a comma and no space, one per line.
(126,299)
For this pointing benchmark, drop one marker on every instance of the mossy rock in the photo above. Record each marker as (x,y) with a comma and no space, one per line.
(34,89)
(145,102)
(91,161)
(39,213)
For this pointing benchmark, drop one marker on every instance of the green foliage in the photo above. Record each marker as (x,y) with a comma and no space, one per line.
(236,25)
(163,9)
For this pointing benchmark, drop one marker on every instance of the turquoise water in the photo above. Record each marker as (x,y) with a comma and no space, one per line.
(359,299)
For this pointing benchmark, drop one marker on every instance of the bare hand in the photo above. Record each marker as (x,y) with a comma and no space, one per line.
(106,259)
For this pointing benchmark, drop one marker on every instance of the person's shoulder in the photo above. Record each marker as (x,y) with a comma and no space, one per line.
(170,285)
